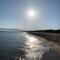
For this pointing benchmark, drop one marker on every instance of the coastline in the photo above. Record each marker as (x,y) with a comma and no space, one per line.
(53,37)
(46,37)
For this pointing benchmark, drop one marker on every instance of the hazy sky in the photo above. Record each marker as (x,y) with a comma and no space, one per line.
(13,14)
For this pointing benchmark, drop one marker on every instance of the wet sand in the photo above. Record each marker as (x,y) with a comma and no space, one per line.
(54,50)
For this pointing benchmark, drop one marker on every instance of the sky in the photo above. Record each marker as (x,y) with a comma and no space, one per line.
(13,14)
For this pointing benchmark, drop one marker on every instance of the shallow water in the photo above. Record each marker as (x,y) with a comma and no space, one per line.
(21,46)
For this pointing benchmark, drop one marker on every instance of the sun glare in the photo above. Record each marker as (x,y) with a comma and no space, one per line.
(31,13)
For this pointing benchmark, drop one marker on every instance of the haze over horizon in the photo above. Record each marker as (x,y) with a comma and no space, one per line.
(30,14)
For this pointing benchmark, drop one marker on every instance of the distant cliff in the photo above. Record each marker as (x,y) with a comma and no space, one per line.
(47,31)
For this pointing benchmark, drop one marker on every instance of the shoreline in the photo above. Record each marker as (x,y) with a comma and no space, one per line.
(52,44)
(53,37)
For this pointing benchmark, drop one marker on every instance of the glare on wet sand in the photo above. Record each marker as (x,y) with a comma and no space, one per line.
(34,48)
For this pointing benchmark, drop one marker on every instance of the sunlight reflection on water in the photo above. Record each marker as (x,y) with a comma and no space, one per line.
(34,48)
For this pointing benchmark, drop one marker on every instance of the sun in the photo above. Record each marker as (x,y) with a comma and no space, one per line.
(31,13)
